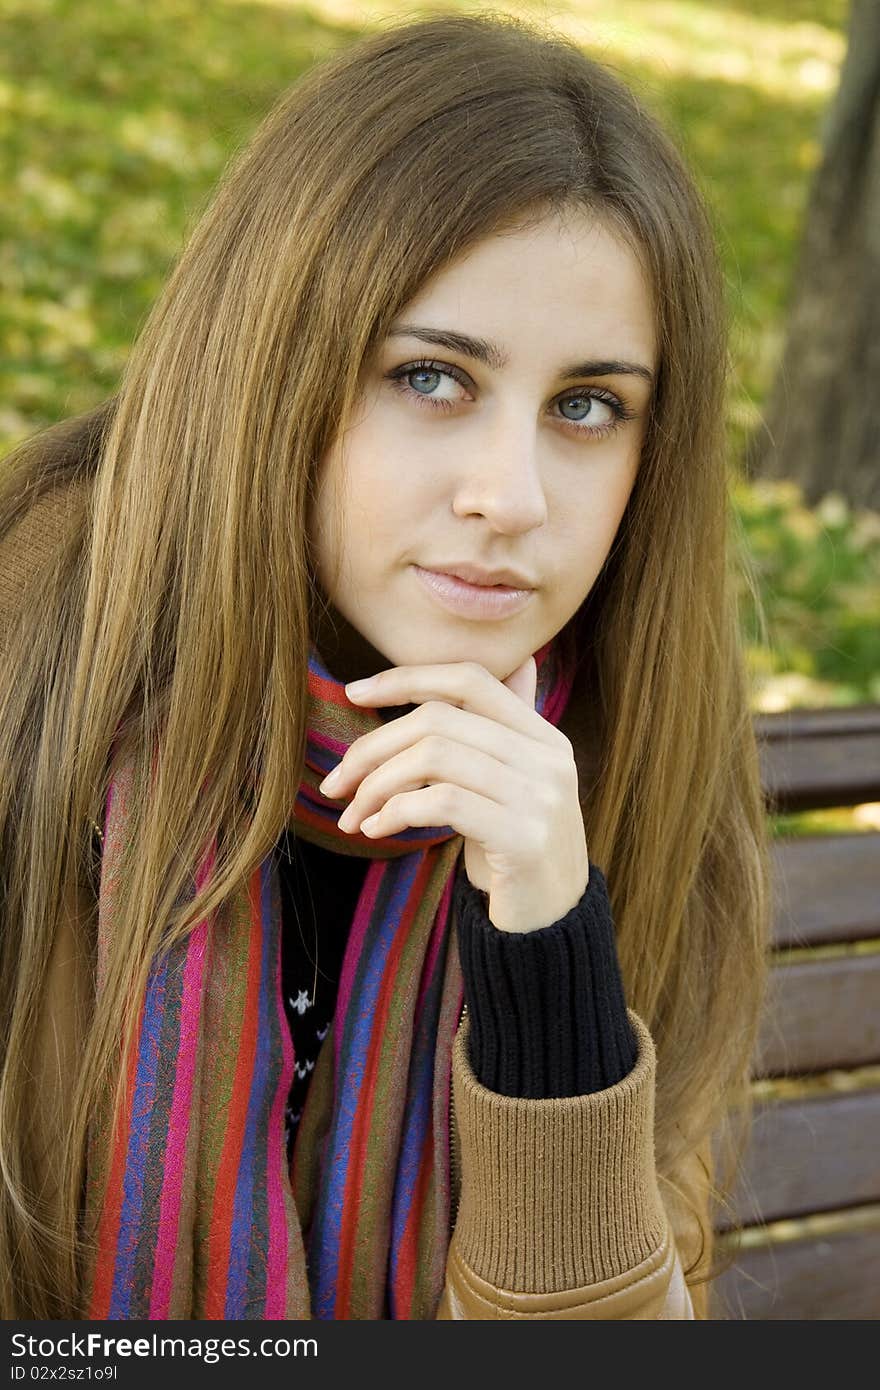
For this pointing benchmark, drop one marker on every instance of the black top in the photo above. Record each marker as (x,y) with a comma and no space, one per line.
(547,1008)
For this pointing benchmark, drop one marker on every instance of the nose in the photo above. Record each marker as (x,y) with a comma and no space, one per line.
(500,476)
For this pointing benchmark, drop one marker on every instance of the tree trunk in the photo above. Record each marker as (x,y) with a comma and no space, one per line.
(822,424)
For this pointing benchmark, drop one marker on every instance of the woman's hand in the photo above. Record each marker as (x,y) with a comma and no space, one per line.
(477,756)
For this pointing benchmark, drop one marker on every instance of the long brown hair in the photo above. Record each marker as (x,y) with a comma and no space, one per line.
(182,597)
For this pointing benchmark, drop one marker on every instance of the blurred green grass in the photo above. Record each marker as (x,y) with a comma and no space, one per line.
(117,120)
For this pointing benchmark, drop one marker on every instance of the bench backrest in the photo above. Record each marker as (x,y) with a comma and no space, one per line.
(810,1198)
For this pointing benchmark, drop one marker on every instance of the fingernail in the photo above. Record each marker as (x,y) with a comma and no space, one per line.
(331,780)
(357,687)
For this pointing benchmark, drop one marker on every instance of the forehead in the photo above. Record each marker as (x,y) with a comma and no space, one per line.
(568,283)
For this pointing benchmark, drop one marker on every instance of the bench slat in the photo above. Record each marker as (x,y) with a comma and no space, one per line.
(827,1277)
(826,888)
(813,723)
(820,1014)
(818,1152)
(804,774)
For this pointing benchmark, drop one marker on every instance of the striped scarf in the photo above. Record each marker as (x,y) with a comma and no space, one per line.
(193,1210)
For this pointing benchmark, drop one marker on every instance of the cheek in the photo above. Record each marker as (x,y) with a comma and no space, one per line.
(617,482)
(392,489)
(590,520)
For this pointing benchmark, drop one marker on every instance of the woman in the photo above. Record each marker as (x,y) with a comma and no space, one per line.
(456,304)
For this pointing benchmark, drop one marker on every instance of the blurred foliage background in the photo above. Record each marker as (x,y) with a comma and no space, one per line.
(118,118)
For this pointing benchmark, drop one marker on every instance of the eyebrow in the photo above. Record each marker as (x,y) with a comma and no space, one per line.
(493,356)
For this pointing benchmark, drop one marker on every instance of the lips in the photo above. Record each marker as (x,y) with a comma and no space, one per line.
(484,578)
(480,601)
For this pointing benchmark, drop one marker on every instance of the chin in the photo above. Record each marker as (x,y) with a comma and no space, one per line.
(499,666)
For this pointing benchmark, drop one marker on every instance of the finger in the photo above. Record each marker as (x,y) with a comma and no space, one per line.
(431,761)
(465,684)
(443,805)
(435,719)
(524,682)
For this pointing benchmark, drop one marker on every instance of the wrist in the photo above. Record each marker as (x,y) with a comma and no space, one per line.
(524,917)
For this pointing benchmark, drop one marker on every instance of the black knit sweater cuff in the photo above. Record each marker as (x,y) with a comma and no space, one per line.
(547,1007)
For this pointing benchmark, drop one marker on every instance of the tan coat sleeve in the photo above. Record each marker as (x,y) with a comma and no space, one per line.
(560,1212)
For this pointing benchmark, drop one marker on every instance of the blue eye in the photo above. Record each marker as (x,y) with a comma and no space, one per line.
(423,372)
(588,406)
(402,377)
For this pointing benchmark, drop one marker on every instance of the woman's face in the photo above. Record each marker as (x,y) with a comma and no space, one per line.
(515,445)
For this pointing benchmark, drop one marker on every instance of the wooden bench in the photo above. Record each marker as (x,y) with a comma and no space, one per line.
(810,1198)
